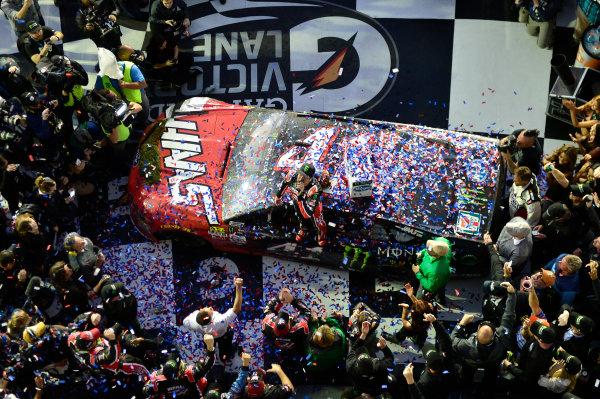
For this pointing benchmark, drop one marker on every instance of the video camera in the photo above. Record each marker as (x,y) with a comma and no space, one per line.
(62,74)
(9,121)
(109,113)
(100,22)
(509,146)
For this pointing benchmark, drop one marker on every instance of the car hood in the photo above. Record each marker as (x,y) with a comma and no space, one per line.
(178,172)
(431,179)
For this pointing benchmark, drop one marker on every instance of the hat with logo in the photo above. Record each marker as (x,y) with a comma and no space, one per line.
(33,27)
(544,333)
(307,170)
(555,211)
(580,190)
(548,277)
(435,360)
(87,339)
(581,322)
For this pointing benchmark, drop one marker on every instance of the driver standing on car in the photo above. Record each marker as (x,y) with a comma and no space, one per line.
(306,193)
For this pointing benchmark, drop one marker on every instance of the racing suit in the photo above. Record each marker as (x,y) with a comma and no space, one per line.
(191,383)
(295,338)
(106,355)
(308,207)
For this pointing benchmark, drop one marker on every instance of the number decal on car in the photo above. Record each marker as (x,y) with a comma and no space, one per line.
(316,146)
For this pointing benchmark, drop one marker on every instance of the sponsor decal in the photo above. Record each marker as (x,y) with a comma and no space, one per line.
(330,59)
(468,222)
(174,227)
(186,162)
(218,233)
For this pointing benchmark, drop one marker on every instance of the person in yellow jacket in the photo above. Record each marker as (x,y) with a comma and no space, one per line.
(125,80)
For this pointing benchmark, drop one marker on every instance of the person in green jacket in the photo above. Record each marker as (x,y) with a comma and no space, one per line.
(327,344)
(434,270)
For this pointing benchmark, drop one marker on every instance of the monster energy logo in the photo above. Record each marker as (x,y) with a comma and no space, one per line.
(353,256)
(395,252)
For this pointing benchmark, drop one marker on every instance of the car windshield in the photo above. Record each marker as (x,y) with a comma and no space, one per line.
(270,143)
(251,180)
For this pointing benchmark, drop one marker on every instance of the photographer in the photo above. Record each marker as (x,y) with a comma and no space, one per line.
(113,116)
(168,64)
(170,17)
(40,44)
(12,83)
(97,20)
(43,124)
(522,148)
(18,11)
(12,130)
(125,81)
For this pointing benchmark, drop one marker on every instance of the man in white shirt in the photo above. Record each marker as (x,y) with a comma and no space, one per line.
(207,321)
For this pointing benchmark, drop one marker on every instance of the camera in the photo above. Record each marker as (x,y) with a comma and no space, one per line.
(509,146)
(101,23)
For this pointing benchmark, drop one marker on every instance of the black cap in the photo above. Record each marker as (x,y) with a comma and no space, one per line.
(434,358)
(581,322)
(572,364)
(364,362)
(307,170)
(580,190)
(555,211)
(109,291)
(33,27)
(494,288)
(171,367)
(544,333)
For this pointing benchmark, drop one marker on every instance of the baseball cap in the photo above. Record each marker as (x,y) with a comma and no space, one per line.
(581,322)
(494,288)
(548,277)
(307,170)
(555,211)
(544,333)
(435,360)
(87,339)
(33,27)
(580,190)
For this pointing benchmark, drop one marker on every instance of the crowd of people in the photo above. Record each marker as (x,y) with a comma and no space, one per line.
(71,330)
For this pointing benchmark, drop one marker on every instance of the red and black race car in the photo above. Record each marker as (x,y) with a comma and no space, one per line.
(208,172)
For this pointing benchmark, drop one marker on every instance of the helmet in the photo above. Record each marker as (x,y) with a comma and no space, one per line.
(30,99)
(307,170)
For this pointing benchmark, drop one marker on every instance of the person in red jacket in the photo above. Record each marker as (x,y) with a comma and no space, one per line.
(306,194)
(287,332)
(93,350)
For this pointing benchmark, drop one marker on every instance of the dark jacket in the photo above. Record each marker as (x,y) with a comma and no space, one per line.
(533,361)
(469,348)
(379,376)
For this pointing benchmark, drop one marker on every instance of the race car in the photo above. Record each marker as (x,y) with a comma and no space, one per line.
(207,172)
